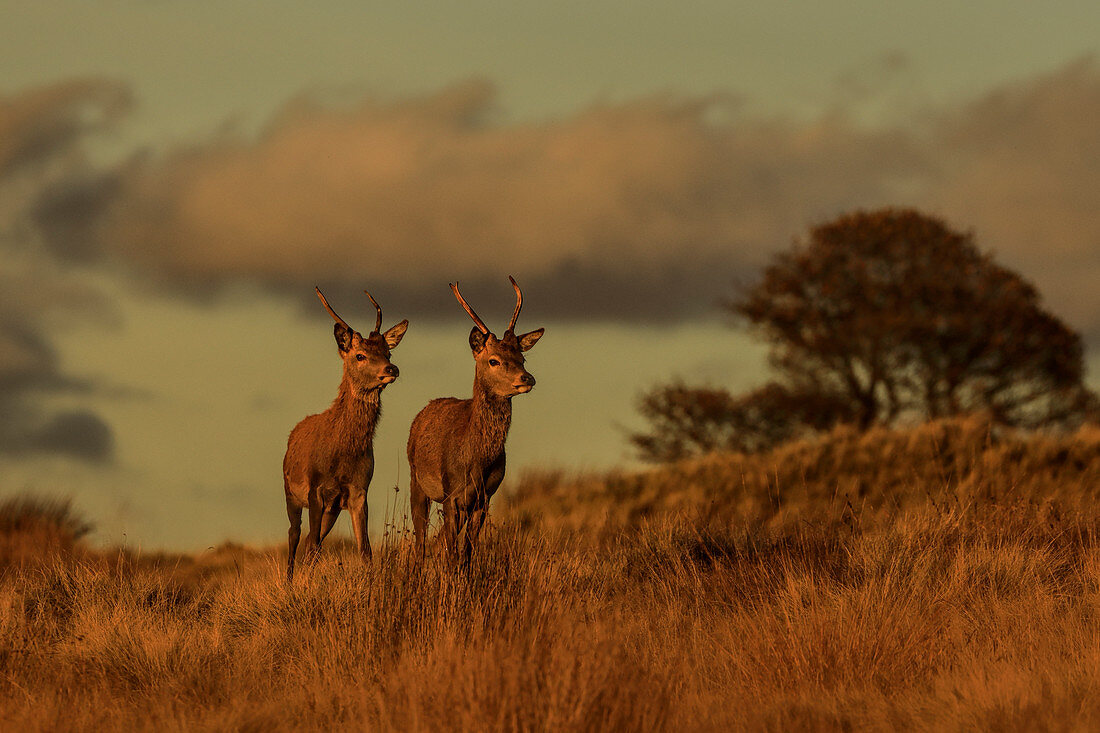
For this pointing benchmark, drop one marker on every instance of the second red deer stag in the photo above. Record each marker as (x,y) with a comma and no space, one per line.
(456,447)
(330,457)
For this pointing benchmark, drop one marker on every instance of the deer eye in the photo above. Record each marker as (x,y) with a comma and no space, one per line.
(361,357)
(494,362)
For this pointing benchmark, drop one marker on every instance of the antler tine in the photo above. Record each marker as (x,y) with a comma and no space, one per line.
(378,320)
(328,307)
(519,304)
(477,321)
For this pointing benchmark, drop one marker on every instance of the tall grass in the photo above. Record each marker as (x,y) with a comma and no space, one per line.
(34,529)
(846,475)
(976,613)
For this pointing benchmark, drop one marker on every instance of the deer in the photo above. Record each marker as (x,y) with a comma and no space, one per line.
(456,447)
(329,459)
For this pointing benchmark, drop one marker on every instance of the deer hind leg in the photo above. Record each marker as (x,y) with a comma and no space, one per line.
(328,520)
(420,505)
(293,535)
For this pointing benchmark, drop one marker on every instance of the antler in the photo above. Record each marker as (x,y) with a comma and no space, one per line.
(378,321)
(477,321)
(331,312)
(519,304)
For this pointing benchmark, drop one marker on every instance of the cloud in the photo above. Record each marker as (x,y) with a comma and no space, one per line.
(41,136)
(666,192)
(631,210)
(80,434)
(1020,167)
(40,125)
(77,433)
(34,300)
(28,370)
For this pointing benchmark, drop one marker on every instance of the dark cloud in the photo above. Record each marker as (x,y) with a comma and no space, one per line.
(663,292)
(41,132)
(27,361)
(66,213)
(25,430)
(80,434)
(39,126)
(30,370)
(28,428)
(42,136)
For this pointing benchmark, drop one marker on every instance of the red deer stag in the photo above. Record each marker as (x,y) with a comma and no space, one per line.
(456,447)
(330,457)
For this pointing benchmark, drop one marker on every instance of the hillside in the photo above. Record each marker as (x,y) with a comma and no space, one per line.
(966,464)
(941,578)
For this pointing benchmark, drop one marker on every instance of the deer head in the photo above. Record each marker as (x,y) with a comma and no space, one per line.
(499,366)
(367,364)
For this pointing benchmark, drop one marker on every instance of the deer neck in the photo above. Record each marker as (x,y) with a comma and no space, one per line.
(490,418)
(358,411)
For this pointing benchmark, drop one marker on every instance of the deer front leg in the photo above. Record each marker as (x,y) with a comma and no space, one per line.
(476,518)
(473,527)
(420,505)
(357,508)
(313,539)
(293,535)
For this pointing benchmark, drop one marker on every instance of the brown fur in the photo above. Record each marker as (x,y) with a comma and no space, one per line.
(329,458)
(456,447)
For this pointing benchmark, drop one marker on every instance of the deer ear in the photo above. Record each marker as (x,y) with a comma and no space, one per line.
(344,336)
(477,340)
(529,339)
(394,335)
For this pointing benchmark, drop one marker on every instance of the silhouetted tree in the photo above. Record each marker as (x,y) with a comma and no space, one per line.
(889,315)
(688,420)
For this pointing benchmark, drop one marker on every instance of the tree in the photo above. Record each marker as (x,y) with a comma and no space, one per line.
(688,420)
(890,315)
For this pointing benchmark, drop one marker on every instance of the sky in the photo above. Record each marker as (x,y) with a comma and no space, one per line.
(175,177)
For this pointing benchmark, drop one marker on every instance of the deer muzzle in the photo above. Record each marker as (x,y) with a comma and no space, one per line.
(525,384)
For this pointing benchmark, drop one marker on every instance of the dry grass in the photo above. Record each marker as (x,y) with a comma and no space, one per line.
(979,612)
(37,530)
(867,478)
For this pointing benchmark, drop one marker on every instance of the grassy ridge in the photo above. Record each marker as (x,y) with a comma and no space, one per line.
(967,601)
(850,476)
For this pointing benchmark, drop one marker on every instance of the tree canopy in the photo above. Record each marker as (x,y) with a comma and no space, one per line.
(882,316)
